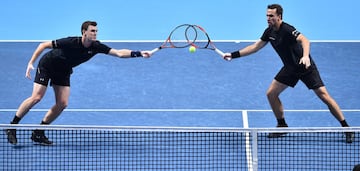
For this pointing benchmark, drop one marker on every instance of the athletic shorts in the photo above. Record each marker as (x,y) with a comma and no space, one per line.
(310,77)
(56,78)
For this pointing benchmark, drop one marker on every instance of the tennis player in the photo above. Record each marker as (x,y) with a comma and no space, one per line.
(56,66)
(294,50)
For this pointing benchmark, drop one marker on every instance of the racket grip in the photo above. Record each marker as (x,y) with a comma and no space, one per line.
(154,50)
(219,52)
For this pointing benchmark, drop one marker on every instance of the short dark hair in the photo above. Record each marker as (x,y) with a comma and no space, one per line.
(279,9)
(356,167)
(86,24)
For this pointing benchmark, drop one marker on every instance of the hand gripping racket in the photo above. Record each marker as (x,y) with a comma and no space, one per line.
(186,35)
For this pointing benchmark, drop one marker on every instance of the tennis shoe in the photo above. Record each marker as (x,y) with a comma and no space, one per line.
(11,136)
(349,137)
(39,137)
(278,134)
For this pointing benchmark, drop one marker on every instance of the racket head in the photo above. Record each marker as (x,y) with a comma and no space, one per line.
(203,40)
(181,36)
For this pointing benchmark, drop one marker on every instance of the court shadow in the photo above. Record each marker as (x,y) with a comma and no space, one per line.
(20,147)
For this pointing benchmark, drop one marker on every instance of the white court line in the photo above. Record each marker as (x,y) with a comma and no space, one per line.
(245,119)
(249,155)
(178,110)
(132,110)
(161,40)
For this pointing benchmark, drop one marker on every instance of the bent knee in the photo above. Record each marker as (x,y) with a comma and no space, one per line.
(35,99)
(271,93)
(62,104)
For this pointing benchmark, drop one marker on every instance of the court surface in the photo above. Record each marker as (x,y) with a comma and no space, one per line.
(105,87)
(175,88)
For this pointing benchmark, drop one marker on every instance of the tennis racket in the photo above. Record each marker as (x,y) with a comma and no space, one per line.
(186,35)
(203,41)
(181,36)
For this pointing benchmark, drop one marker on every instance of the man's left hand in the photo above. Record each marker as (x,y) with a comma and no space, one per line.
(305,60)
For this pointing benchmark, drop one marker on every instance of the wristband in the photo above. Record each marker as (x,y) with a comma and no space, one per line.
(135,54)
(235,54)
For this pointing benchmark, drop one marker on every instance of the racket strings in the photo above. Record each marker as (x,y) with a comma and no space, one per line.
(189,35)
(203,40)
(182,36)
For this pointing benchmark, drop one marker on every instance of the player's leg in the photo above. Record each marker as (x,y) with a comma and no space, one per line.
(37,94)
(62,94)
(334,108)
(273,94)
(314,82)
(61,101)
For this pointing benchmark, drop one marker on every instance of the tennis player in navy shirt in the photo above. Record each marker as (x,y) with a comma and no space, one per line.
(55,66)
(293,49)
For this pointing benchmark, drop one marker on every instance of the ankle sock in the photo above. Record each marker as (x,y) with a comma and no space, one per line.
(344,123)
(16,120)
(281,122)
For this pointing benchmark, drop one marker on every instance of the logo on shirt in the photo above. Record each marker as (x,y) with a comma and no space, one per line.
(90,52)
(272,38)
(295,33)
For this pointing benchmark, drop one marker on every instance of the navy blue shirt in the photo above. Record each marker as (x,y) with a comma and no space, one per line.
(285,44)
(70,51)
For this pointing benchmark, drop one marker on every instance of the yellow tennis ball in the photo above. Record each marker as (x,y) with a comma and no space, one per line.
(192,49)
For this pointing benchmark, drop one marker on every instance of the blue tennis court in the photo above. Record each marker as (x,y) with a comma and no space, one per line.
(175,88)
(176,79)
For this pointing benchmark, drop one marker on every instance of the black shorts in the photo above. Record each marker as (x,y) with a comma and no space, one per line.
(43,76)
(310,77)
(52,69)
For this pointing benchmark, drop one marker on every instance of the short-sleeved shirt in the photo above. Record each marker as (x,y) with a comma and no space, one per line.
(67,53)
(290,51)
(72,52)
(285,44)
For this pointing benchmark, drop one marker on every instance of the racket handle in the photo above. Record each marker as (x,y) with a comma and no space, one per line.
(219,52)
(154,50)
(222,54)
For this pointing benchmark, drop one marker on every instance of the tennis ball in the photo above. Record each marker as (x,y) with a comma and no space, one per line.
(192,49)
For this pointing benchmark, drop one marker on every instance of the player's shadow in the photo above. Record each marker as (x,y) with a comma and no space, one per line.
(20,147)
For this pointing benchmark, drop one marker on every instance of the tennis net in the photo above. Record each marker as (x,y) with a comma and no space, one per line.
(179,148)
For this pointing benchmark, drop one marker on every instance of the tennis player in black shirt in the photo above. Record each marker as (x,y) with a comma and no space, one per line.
(294,51)
(56,66)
